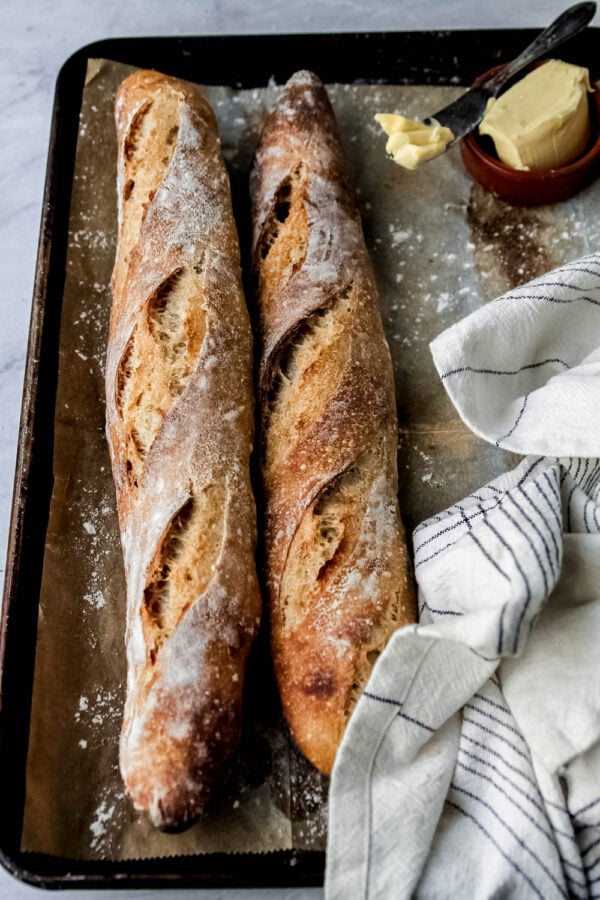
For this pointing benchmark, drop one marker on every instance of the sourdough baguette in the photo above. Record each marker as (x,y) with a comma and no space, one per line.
(179,405)
(337,569)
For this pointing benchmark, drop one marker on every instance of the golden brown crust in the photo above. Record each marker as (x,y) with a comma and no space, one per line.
(180,428)
(337,568)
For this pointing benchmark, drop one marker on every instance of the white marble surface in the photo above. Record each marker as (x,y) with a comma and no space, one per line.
(36,37)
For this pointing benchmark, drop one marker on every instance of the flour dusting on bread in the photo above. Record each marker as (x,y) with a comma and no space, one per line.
(180,433)
(337,567)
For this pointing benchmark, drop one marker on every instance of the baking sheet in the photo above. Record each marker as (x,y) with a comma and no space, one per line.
(440,248)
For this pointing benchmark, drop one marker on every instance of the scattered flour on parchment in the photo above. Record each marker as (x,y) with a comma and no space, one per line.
(95,599)
(443,301)
(93,543)
(97,709)
(103,815)
(107,818)
(400,235)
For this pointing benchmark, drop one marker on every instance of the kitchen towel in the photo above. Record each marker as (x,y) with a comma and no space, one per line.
(471,764)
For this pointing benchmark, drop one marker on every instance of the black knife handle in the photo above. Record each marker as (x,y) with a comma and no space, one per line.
(567,25)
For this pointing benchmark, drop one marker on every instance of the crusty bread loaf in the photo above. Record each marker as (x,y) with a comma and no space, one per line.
(180,423)
(337,568)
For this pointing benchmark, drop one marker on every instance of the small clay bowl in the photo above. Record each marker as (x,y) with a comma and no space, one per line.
(523,188)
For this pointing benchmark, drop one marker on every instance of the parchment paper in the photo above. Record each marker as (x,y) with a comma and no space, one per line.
(440,248)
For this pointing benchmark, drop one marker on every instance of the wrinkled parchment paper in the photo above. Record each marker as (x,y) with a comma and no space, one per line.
(441,247)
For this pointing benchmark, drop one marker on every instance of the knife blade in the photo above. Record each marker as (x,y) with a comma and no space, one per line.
(463,115)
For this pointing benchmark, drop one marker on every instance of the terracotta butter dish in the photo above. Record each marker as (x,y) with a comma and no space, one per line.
(528,187)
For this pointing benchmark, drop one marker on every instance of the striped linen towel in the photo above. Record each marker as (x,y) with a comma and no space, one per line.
(471,765)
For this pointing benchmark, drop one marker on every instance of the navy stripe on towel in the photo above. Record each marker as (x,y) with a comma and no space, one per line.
(511,862)
(518,839)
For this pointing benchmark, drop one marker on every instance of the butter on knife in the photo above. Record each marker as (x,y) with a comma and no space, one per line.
(411,143)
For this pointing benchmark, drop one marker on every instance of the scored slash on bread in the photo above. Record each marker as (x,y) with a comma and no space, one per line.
(337,568)
(180,426)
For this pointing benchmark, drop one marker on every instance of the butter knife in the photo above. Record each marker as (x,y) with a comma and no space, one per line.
(462,116)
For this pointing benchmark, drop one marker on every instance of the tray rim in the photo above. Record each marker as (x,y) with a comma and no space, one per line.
(32,868)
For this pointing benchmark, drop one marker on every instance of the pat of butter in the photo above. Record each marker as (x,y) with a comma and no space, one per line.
(542,121)
(411,143)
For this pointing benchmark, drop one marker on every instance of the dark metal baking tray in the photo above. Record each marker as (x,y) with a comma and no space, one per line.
(434,58)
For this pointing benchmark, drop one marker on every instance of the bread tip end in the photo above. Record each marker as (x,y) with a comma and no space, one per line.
(304,77)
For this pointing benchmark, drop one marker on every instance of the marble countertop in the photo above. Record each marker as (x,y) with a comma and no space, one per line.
(36,39)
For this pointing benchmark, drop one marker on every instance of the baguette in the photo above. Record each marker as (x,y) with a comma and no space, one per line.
(337,568)
(179,403)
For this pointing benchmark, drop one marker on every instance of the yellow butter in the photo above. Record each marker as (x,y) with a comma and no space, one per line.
(411,143)
(543,120)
